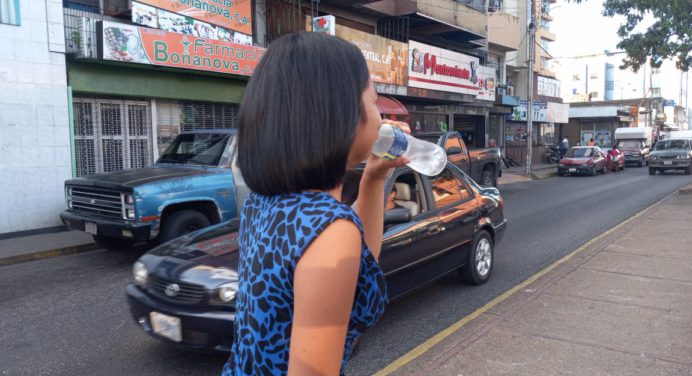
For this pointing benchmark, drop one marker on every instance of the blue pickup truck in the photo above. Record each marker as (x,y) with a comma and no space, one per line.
(195,183)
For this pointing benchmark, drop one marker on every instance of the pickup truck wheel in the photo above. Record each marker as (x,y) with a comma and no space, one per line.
(479,264)
(487,179)
(112,244)
(181,223)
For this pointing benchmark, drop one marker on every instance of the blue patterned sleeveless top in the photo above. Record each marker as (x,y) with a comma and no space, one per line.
(274,233)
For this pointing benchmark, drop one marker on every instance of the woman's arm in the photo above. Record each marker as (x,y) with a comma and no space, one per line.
(324,285)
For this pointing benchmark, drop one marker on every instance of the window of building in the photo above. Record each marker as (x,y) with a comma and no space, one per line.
(656,91)
(593,75)
(9,12)
(610,85)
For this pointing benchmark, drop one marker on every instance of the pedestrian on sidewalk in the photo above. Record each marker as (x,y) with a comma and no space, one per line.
(308,279)
(564,146)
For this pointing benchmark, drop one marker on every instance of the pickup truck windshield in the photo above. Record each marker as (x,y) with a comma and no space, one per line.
(196,149)
(672,145)
(629,144)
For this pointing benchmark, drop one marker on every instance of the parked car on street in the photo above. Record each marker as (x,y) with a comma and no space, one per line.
(195,183)
(582,160)
(671,154)
(483,165)
(184,291)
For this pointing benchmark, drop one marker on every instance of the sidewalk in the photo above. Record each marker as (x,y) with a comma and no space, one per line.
(518,174)
(620,305)
(35,247)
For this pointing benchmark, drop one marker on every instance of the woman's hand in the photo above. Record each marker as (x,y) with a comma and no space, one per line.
(377,168)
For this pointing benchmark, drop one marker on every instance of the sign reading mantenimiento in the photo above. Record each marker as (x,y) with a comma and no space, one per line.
(232,14)
(134,44)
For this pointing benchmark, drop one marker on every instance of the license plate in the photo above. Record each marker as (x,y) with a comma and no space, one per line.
(166,326)
(90,228)
(667,163)
(572,170)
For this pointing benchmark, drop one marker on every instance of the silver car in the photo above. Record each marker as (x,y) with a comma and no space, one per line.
(673,154)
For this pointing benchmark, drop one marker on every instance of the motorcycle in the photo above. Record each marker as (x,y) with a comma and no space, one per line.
(553,154)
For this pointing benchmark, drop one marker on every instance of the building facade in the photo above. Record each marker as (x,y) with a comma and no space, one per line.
(34,121)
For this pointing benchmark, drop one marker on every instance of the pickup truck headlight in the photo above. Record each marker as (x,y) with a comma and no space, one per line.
(228,292)
(130,213)
(140,272)
(686,156)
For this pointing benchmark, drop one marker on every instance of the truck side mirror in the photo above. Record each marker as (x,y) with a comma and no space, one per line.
(454,150)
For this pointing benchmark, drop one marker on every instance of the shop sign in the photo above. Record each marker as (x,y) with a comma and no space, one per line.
(231,14)
(558,113)
(515,133)
(540,112)
(134,44)
(149,16)
(324,24)
(548,87)
(391,89)
(486,84)
(439,69)
(386,58)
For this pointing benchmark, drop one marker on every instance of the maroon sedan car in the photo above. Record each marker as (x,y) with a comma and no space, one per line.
(582,160)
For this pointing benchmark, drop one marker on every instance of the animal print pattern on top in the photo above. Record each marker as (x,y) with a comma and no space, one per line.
(274,233)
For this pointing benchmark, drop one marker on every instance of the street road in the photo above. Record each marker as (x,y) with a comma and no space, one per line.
(68,315)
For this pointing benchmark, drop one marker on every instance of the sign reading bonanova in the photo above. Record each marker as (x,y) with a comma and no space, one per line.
(134,44)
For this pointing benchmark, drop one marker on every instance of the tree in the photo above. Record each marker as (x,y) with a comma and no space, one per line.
(669,37)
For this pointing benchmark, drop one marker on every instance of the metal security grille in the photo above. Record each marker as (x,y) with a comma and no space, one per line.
(174,117)
(111,135)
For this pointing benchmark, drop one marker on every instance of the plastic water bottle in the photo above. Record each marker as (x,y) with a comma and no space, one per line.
(427,158)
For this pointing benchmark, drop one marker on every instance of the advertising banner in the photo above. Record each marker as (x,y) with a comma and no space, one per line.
(486,83)
(149,16)
(231,14)
(540,112)
(134,44)
(386,58)
(439,69)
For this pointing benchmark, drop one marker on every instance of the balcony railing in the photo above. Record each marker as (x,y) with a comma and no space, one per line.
(80,32)
(476,4)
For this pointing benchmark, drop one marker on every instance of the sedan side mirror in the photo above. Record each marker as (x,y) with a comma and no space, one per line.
(396,216)
(454,150)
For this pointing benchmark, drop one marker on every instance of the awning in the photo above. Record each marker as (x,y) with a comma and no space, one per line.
(390,106)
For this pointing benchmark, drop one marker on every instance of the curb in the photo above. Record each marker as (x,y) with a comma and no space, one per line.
(543,176)
(686,190)
(51,253)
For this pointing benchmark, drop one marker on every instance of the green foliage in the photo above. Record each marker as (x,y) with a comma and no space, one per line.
(669,37)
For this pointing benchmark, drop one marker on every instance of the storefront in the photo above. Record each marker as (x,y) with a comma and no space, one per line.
(148,84)
(596,122)
(547,118)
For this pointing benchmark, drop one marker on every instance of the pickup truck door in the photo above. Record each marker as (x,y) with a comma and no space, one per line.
(457,152)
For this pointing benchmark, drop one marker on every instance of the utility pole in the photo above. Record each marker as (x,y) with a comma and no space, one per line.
(529,104)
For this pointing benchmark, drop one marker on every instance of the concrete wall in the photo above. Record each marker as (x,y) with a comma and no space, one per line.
(34,123)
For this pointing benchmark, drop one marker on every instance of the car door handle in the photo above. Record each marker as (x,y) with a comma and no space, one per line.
(436,230)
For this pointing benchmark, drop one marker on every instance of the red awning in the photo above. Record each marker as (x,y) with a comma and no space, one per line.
(390,106)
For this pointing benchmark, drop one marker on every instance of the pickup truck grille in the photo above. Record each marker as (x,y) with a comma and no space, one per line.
(187,293)
(96,201)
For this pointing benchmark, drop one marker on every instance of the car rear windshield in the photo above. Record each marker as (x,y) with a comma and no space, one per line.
(196,148)
(579,153)
(629,144)
(673,145)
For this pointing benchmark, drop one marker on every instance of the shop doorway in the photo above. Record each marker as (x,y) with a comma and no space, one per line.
(471,129)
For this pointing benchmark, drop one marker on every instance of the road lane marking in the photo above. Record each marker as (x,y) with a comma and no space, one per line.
(439,337)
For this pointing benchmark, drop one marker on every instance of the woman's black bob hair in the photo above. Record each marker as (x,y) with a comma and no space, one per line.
(299,114)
